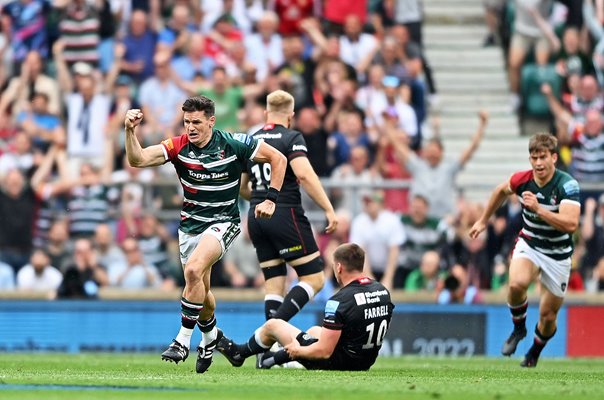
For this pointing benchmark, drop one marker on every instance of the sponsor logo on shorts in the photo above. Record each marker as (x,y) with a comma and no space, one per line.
(290,249)
(216,229)
(563,287)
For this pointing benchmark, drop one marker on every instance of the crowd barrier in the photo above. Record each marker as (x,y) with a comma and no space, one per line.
(148,326)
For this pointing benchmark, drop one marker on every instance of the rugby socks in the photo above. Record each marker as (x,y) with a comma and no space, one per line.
(208,330)
(539,342)
(189,313)
(297,297)
(272,302)
(278,358)
(253,346)
(519,315)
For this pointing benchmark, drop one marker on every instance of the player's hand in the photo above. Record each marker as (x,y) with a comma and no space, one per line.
(332,221)
(546,89)
(530,201)
(265,209)
(293,349)
(484,116)
(478,227)
(133,118)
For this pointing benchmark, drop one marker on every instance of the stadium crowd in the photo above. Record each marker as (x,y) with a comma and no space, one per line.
(76,217)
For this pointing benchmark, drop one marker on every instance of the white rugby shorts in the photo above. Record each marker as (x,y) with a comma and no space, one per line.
(225,232)
(554,273)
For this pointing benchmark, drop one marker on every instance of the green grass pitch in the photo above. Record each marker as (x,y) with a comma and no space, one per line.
(136,376)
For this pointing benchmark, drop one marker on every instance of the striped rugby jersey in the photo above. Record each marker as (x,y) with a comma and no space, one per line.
(210,177)
(537,233)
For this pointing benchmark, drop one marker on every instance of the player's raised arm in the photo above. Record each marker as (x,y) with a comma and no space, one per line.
(483,115)
(137,156)
(501,192)
(268,154)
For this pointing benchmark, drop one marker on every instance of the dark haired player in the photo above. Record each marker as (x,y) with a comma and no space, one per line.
(209,163)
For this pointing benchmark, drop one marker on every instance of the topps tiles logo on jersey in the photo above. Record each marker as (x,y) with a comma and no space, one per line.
(204,175)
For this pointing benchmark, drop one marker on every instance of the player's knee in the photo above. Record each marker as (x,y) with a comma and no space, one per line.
(316,280)
(272,324)
(517,288)
(547,316)
(193,272)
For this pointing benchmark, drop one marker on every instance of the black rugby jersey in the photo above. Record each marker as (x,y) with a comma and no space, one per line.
(289,142)
(362,311)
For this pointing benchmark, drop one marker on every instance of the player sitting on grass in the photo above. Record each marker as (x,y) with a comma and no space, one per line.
(355,323)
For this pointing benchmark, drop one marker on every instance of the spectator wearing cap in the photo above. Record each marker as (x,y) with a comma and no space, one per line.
(433,176)
(392,104)
(139,41)
(17,96)
(380,233)
(39,275)
(592,232)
